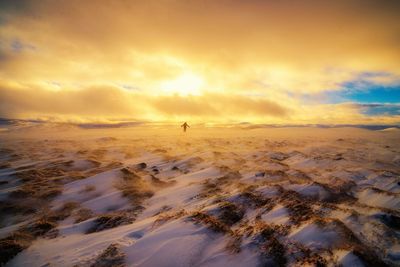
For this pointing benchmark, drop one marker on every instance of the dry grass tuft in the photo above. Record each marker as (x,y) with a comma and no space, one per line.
(8,207)
(266,237)
(82,214)
(299,207)
(129,174)
(135,188)
(274,249)
(211,222)
(168,216)
(311,258)
(40,227)
(112,256)
(159,183)
(210,188)
(339,192)
(39,184)
(111,220)
(12,245)
(23,238)
(230,213)
(39,174)
(64,212)
(255,199)
(234,243)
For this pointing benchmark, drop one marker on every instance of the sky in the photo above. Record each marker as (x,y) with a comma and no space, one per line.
(203,61)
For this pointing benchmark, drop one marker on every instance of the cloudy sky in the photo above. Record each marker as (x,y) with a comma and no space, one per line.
(205,61)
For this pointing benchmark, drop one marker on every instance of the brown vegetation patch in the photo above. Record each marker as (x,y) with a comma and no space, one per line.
(369,258)
(8,207)
(274,249)
(234,243)
(230,213)
(40,227)
(299,207)
(63,212)
(12,245)
(168,216)
(210,188)
(111,220)
(256,199)
(136,192)
(209,221)
(359,248)
(229,175)
(129,174)
(312,258)
(265,231)
(266,237)
(74,176)
(159,183)
(82,214)
(22,238)
(112,256)
(37,189)
(339,191)
(39,174)
(39,184)
(135,188)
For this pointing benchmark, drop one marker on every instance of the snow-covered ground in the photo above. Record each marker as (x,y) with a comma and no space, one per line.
(154,196)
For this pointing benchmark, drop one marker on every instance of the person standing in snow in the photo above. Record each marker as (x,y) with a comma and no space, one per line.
(185,125)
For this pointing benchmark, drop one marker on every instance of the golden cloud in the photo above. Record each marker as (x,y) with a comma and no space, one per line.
(190,58)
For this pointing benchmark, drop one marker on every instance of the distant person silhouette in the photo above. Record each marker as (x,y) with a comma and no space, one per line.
(185,125)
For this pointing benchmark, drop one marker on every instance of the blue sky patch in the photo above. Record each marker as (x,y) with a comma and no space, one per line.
(371,94)
(364,89)
(380,109)
(373,98)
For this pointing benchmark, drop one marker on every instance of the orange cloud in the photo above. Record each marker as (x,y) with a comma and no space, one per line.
(104,104)
(252,58)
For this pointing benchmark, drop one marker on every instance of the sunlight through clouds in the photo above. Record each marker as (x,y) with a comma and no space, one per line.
(302,56)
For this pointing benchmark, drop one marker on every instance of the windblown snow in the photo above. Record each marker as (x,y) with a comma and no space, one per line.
(153,196)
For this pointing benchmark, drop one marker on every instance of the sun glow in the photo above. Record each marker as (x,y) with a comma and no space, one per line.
(184,85)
